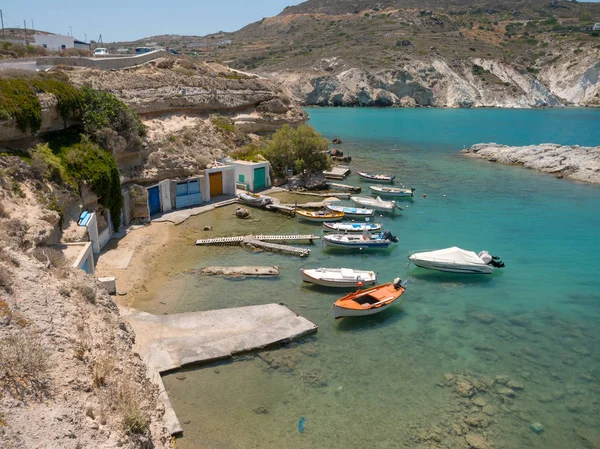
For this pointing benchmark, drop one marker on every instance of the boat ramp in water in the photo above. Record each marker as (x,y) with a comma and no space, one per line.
(168,342)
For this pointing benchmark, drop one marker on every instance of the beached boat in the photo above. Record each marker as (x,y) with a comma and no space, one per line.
(339,277)
(254,199)
(379,240)
(352,212)
(457,260)
(369,301)
(391,192)
(375,203)
(319,216)
(389,179)
(351,227)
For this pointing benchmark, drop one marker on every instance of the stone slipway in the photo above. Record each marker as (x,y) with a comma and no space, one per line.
(168,342)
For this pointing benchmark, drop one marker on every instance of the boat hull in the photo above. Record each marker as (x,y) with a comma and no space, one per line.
(353,228)
(356,245)
(465,269)
(341,312)
(349,213)
(368,278)
(373,205)
(307,216)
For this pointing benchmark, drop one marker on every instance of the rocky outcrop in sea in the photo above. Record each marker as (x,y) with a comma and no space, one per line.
(574,162)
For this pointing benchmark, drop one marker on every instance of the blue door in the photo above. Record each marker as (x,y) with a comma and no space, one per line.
(154,200)
(259,178)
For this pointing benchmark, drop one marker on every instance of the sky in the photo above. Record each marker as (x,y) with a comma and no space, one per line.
(124,20)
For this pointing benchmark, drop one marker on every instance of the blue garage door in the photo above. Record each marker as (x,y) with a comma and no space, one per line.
(259,178)
(154,200)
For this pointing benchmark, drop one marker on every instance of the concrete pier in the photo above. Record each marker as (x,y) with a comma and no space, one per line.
(168,342)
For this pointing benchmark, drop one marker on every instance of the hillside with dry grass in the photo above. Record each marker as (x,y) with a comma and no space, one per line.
(523,53)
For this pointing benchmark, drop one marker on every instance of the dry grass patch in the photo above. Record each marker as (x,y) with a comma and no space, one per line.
(23,364)
(51,257)
(5,279)
(103,366)
(129,398)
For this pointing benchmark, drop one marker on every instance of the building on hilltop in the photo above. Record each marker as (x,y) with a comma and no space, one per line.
(57,42)
(596,27)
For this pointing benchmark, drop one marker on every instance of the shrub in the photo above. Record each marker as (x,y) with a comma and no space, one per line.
(223,123)
(298,149)
(23,364)
(87,292)
(477,70)
(128,398)
(53,257)
(46,164)
(166,63)
(5,279)
(103,365)
(3,212)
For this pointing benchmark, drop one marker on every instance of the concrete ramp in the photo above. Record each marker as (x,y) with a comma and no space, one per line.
(168,342)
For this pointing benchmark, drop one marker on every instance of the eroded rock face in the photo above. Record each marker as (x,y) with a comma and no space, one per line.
(438,82)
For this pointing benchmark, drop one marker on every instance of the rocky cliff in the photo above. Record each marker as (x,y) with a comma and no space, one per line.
(575,162)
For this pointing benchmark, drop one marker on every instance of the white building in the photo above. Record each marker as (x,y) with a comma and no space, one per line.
(252,175)
(57,42)
(596,27)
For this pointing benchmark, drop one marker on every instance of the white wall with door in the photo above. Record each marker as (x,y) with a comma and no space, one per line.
(254,175)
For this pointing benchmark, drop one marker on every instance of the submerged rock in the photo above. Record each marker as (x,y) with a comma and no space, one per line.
(483,318)
(476,441)
(536,427)
(241,212)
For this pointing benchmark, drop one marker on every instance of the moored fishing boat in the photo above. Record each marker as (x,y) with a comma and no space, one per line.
(369,301)
(375,203)
(391,192)
(254,199)
(352,212)
(379,240)
(457,260)
(339,277)
(389,179)
(352,227)
(320,216)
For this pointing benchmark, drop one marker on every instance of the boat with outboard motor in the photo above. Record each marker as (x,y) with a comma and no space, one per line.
(339,277)
(253,199)
(350,227)
(375,203)
(351,212)
(391,192)
(457,260)
(370,300)
(320,216)
(389,179)
(379,240)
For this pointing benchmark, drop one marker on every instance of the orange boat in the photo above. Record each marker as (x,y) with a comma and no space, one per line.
(369,301)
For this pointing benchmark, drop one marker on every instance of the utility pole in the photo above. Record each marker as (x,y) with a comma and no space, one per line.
(2,20)
(85,34)
(71,30)
(32,27)
(25,28)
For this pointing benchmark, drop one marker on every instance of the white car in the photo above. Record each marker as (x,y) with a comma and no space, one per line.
(100,52)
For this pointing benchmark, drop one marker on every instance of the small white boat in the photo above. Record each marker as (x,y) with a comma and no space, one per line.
(370,300)
(320,216)
(339,277)
(375,203)
(380,240)
(389,179)
(391,192)
(351,227)
(457,260)
(254,199)
(352,212)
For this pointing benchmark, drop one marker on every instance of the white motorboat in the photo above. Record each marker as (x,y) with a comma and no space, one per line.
(388,179)
(391,192)
(375,203)
(457,260)
(379,240)
(254,199)
(352,227)
(339,277)
(351,212)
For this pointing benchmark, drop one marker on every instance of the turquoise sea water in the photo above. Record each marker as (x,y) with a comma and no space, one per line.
(380,382)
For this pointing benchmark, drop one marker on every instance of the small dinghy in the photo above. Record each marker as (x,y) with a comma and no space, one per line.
(375,203)
(457,260)
(351,227)
(389,179)
(254,199)
(320,216)
(352,212)
(391,192)
(378,240)
(369,301)
(339,277)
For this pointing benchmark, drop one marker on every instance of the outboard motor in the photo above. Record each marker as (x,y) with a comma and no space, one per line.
(488,259)
(387,235)
(398,283)
(496,262)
